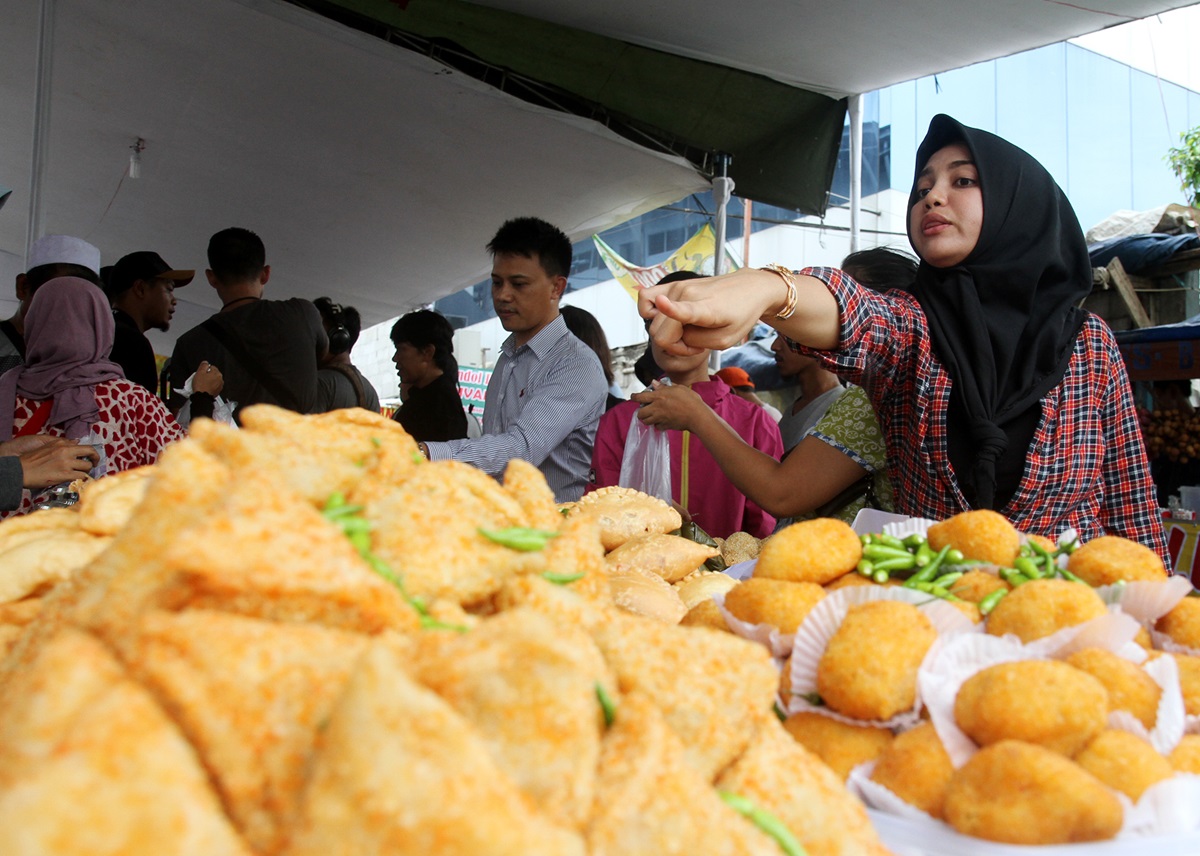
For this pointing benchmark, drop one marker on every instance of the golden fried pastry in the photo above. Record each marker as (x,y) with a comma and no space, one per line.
(705,614)
(779,775)
(39,563)
(839,744)
(1185,757)
(981,534)
(1111,558)
(740,547)
(974,586)
(525,483)
(1019,793)
(669,556)
(811,551)
(647,594)
(401,772)
(779,603)
(1045,702)
(1189,682)
(716,683)
(702,585)
(623,513)
(649,799)
(869,668)
(916,768)
(89,763)
(848,580)
(560,602)
(1124,762)
(105,505)
(1129,687)
(577,550)
(429,528)
(250,695)
(541,722)
(1182,623)
(1041,607)
(18,530)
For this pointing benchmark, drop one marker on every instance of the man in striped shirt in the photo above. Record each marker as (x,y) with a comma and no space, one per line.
(547,390)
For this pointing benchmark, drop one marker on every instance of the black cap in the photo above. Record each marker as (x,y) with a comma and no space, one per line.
(142,265)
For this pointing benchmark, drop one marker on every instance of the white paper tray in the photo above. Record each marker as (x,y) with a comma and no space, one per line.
(906,837)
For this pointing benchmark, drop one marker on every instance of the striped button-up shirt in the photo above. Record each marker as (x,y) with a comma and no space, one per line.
(543,404)
(1086,467)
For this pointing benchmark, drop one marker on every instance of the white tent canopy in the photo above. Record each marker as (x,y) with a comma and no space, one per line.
(376,175)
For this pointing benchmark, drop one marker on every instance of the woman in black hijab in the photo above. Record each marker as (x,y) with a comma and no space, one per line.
(993,388)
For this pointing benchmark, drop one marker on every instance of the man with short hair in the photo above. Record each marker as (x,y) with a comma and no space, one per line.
(339,383)
(267,350)
(547,390)
(50,257)
(141,287)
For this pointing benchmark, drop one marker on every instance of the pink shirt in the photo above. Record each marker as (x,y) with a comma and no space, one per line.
(716,506)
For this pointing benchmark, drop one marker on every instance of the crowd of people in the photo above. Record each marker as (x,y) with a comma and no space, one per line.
(967,377)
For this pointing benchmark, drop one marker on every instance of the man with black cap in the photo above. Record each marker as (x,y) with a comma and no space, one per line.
(141,288)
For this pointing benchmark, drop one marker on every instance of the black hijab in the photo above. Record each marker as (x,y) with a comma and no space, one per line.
(1004,320)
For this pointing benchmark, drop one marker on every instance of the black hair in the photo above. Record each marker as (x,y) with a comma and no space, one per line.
(426,327)
(336,315)
(587,329)
(531,237)
(236,255)
(882,268)
(36,277)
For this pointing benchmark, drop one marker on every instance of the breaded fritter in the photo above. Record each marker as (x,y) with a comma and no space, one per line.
(1041,607)
(1182,623)
(974,586)
(811,551)
(779,603)
(1037,701)
(1129,687)
(1185,757)
(1111,558)
(869,668)
(1124,762)
(916,768)
(1019,793)
(981,534)
(839,744)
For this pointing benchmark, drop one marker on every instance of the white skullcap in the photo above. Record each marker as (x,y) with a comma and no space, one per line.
(64,250)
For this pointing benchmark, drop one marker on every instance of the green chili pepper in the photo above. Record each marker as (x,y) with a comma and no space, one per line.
(417,457)
(924,554)
(865,567)
(780,713)
(814,699)
(1028,567)
(1067,575)
(376,442)
(949,579)
(880,552)
(606,705)
(764,820)
(1013,577)
(930,571)
(989,602)
(562,579)
(889,541)
(880,576)
(867,539)
(897,564)
(914,541)
(955,557)
(520,538)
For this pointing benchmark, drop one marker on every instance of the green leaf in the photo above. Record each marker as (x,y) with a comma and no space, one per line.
(607,705)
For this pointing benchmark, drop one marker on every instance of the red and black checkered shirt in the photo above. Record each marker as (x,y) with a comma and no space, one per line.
(1086,468)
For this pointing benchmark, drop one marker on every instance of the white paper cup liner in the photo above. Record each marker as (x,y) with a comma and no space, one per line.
(742,570)
(1170,720)
(1113,631)
(1163,642)
(812,637)
(1169,807)
(767,635)
(1145,600)
(911,526)
(950,662)
(881,797)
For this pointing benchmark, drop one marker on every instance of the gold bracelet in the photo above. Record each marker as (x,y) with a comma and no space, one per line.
(793,296)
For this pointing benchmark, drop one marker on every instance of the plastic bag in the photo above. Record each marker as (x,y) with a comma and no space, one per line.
(646,463)
(222,409)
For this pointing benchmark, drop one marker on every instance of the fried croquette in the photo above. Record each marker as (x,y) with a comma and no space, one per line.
(1185,757)
(1019,793)
(705,614)
(974,586)
(779,603)
(1182,623)
(811,551)
(1047,544)
(981,534)
(839,744)
(1189,682)
(848,580)
(916,768)
(869,668)
(1124,762)
(1037,701)
(1129,687)
(1041,607)
(1111,558)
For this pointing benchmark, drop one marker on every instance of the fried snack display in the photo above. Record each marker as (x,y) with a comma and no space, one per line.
(302,638)
(1110,559)
(982,534)
(916,768)
(811,551)
(841,745)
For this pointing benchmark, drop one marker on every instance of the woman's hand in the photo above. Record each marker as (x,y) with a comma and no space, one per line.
(208,379)
(675,407)
(47,461)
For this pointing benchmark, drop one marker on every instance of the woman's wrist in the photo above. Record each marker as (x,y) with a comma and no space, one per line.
(785,299)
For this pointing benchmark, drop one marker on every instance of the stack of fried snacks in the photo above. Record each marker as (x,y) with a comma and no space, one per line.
(302,638)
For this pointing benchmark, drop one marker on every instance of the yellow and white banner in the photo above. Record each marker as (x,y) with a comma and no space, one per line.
(696,255)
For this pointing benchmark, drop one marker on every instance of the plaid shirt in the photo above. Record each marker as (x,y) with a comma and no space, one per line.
(1086,468)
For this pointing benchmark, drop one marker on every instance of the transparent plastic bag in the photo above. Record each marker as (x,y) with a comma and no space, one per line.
(222,409)
(646,463)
